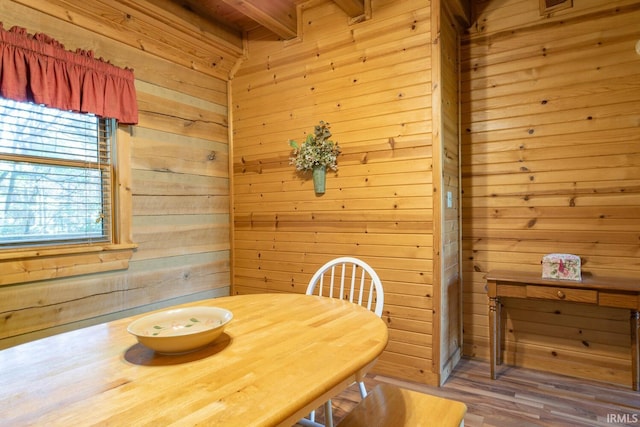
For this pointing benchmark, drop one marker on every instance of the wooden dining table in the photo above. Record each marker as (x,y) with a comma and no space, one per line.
(280,357)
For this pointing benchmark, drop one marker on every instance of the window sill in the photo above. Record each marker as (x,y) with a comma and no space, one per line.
(30,265)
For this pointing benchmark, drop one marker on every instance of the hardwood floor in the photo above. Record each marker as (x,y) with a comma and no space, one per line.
(520,397)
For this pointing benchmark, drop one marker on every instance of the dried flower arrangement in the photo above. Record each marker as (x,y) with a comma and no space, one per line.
(317,151)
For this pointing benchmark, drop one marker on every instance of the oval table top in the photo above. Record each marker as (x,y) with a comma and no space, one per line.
(281,356)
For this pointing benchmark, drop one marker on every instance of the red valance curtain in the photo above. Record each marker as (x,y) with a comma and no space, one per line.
(37,68)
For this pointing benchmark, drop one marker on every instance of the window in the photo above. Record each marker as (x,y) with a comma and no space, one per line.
(64,193)
(55,176)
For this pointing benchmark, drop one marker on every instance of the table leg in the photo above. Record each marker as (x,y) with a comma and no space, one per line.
(499,332)
(635,350)
(494,338)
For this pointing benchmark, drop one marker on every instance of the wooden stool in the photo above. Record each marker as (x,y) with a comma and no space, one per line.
(391,406)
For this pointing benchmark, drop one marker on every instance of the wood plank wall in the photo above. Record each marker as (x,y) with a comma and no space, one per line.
(551,163)
(180,197)
(447,166)
(371,82)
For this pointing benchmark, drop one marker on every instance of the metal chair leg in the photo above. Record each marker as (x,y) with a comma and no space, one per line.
(363,390)
(328,414)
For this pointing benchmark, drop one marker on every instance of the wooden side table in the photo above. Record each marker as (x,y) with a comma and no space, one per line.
(603,291)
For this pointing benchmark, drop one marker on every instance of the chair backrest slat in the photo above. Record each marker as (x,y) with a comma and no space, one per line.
(370,294)
(353,279)
(361,288)
(343,271)
(333,278)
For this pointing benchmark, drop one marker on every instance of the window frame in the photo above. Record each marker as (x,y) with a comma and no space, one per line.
(34,263)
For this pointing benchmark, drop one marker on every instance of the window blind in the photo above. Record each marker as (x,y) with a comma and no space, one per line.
(55,176)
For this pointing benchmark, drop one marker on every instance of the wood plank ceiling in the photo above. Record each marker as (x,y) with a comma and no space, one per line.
(278,16)
(226,23)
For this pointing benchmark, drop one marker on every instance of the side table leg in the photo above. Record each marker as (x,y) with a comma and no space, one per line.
(635,349)
(499,332)
(494,339)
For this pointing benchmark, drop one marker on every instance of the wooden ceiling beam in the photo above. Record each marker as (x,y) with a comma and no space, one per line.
(353,8)
(279,17)
(461,9)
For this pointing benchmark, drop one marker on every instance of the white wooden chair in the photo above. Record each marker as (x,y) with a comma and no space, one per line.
(350,279)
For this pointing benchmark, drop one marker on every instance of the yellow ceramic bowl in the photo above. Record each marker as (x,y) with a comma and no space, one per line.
(180,330)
